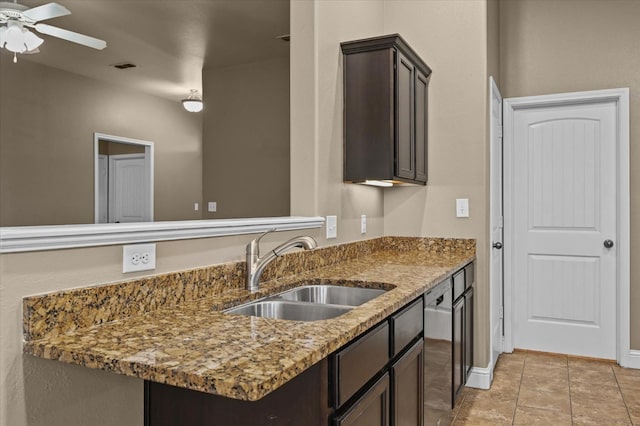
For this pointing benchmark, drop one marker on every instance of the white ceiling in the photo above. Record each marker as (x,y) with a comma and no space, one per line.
(170,41)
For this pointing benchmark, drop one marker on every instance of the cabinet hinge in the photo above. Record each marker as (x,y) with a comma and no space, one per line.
(501,222)
(499,131)
(501,312)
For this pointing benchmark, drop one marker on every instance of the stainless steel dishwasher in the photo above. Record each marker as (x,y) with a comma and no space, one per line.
(437,355)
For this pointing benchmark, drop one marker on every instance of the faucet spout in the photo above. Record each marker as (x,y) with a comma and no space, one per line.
(256,264)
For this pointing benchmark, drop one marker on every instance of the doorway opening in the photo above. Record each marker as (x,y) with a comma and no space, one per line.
(123,179)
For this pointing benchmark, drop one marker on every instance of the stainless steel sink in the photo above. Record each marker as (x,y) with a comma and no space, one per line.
(310,302)
(330,294)
(287,310)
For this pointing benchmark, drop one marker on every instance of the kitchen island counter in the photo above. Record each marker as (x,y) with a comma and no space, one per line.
(171,330)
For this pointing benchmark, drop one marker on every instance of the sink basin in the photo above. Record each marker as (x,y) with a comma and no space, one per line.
(330,294)
(310,302)
(287,310)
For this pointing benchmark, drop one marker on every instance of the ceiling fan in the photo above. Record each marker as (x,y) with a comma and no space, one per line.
(16,19)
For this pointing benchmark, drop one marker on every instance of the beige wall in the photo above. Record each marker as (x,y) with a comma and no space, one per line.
(451,36)
(48,118)
(573,45)
(316,120)
(246,139)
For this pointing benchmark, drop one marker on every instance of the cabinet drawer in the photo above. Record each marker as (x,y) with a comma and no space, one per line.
(469,275)
(357,363)
(458,284)
(406,325)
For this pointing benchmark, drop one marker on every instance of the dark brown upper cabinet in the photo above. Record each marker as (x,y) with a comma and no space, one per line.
(385,111)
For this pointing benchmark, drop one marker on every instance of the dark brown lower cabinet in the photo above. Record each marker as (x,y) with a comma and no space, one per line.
(301,401)
(462,328)
(407,387)
(468,331)
(371,409)
(458,348)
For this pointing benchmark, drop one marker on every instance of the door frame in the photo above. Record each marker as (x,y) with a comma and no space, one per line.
(496,143)
(624,356)
(148,157)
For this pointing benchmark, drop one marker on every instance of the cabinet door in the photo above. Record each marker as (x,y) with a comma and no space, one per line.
(421,126)
(404,143)
(458,348)
(372,409)
(468,332)
(407,387)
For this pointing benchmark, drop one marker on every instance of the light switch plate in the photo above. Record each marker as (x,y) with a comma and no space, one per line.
(462,207)
(363,224)
(332,227)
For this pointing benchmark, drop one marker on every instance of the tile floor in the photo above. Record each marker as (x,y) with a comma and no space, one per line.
(545,389)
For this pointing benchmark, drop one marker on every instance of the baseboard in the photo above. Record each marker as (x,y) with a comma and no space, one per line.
(480,378)
(632,360)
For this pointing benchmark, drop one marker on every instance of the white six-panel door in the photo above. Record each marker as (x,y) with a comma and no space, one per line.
(563,210)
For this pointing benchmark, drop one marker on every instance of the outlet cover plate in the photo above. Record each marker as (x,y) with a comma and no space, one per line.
(138,257)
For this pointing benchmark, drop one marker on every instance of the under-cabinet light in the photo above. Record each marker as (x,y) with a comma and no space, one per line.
(382,183)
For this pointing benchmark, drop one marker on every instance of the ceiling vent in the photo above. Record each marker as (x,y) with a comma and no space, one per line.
(124,65)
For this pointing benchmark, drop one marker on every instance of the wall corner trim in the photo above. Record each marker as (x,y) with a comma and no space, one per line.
(632,360)
(480,378)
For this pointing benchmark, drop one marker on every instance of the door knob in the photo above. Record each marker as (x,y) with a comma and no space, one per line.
(608,243)
(497,245)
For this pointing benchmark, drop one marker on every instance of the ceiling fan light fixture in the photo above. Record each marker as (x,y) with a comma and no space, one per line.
(17,39)
(31,40)
(194,102)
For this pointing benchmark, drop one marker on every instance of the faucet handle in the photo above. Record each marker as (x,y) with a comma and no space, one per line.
(265,233)
(254,246)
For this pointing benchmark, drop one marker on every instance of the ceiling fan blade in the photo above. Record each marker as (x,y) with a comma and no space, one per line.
(46,11)
(85,40)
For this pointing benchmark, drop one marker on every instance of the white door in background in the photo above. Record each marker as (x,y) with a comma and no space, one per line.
(495,271)
(128,193)
(562,199)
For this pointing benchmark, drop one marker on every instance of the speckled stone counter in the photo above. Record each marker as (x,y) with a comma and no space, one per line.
(169,328)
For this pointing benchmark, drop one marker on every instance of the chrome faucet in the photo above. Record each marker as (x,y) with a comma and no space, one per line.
(256,264)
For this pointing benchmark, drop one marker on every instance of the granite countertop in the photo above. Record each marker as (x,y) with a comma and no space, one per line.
(193,345)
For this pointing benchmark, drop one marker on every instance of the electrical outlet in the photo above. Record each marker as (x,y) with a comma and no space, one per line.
(212,206)
(138,257)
